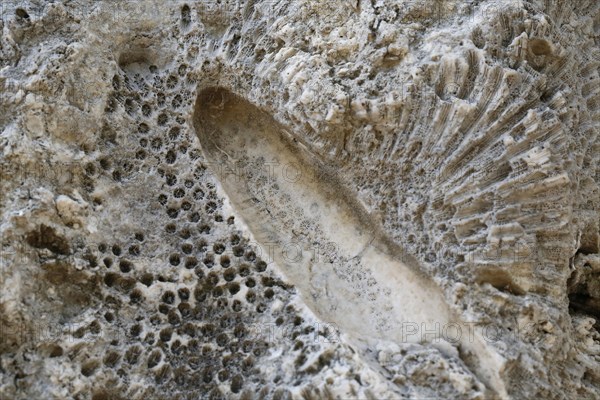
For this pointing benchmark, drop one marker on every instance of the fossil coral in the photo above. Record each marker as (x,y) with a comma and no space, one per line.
(299,199)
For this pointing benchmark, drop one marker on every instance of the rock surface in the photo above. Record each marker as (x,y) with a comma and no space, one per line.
(157,241)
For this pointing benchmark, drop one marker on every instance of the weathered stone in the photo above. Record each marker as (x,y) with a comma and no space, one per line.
(299,199)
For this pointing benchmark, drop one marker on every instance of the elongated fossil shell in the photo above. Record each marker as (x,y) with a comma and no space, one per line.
(347,271)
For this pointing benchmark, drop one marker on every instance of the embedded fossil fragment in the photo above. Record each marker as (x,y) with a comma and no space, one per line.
(349,273)
(325,241)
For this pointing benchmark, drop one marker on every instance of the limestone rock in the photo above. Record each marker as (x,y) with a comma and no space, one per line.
(299,199)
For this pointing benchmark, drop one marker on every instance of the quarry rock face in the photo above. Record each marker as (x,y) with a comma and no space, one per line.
(300,199)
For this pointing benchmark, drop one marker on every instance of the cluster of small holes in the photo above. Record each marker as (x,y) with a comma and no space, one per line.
(195,336)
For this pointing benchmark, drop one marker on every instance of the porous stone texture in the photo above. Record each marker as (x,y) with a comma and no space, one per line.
(467,131)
